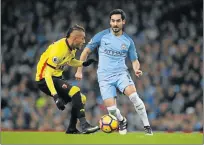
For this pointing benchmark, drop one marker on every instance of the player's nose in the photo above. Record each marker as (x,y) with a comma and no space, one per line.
(115,24)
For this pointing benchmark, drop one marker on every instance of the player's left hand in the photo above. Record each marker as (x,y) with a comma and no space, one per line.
(59,102)
(138,73)
(88,62)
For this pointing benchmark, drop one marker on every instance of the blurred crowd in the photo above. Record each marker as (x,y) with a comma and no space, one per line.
(169,41)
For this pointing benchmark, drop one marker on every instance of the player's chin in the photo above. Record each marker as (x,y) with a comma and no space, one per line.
(116,30)
(80,46)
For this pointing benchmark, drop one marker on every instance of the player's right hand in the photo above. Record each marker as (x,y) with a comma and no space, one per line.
(78,75)
(59,102)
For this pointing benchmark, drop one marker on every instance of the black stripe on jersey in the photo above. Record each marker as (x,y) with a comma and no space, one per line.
(51,66)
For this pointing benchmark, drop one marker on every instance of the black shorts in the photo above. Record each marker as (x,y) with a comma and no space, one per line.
(61,86)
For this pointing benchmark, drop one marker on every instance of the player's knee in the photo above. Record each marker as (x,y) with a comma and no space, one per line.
(77,100)
(74,90)
(83,98)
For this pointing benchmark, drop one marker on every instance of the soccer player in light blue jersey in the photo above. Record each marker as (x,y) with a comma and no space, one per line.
(114,46)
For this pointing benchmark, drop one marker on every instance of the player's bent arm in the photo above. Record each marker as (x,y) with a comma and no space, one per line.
(49,81)
(136,65)
(83,57)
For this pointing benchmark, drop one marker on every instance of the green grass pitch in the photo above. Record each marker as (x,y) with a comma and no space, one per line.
(100,138)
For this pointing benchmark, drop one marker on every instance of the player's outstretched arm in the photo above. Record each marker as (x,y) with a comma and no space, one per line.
(78,63)
(83,58)
(75,63)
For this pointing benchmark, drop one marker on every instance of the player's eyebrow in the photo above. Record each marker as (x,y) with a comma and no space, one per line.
(115,19)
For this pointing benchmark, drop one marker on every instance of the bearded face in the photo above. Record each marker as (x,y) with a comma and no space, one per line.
(116,23)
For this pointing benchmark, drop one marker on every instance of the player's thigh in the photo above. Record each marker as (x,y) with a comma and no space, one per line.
(107,90)
(125,84)
(62,87)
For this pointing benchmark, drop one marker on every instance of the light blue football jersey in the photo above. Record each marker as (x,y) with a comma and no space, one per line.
(112,51)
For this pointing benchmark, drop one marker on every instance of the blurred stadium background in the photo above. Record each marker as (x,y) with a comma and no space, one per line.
(169,40)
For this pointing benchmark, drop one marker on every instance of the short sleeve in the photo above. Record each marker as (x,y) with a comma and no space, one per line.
(132,51)
(96,40)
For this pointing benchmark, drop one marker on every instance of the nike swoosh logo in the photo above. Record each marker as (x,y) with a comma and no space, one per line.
(107,43)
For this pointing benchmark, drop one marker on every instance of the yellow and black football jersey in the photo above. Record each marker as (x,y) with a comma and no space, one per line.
(53,60)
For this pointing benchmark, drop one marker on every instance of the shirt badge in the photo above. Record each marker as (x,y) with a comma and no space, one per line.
(123,47)
(55,60)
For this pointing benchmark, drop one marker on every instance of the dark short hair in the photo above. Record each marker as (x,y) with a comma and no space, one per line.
(75,27)
(118,11)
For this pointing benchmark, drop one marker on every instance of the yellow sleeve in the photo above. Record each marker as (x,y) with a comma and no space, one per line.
(75,63)
(55,57)
(53,61)
(49,81)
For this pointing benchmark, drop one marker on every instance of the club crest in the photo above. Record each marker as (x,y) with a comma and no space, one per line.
(123,47)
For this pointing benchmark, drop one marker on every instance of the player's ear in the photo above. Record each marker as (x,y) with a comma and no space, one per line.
(124,21)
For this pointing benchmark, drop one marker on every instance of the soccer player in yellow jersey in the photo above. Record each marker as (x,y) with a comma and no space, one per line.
(49,77)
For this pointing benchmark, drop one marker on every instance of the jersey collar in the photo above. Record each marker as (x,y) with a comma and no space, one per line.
(67,43)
